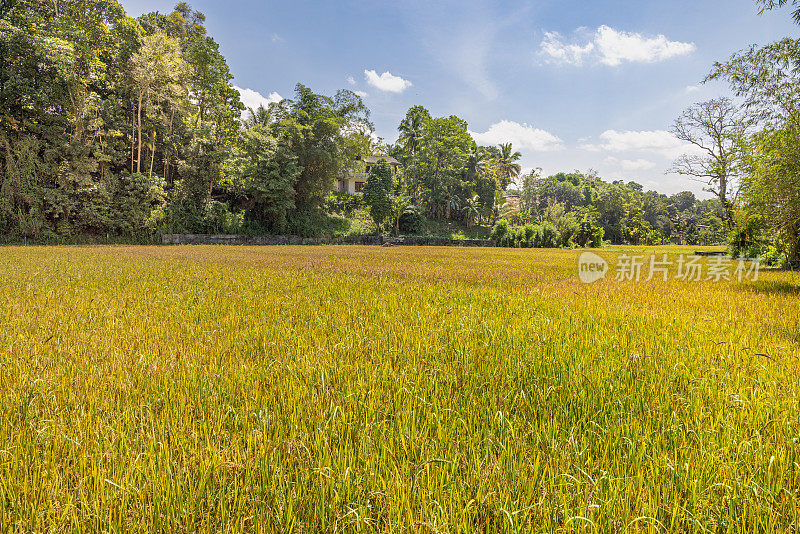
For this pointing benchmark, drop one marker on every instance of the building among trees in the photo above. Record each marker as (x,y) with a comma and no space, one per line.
(355,176)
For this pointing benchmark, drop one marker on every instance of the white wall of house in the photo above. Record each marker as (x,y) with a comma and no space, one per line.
(347,185)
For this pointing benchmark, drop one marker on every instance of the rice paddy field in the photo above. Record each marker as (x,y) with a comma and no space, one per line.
(368,389)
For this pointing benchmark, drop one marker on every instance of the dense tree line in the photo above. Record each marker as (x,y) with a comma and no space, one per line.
(583,206)
(123,127)
(447,176)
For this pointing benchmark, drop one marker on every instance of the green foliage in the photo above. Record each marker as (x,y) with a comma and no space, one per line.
(543,235)
(377,192)
(343,203)
(499,231)
(588,234)
(411,222)
(442,156)
(550,237)
(263,177)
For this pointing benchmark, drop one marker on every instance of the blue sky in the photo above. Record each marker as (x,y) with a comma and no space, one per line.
(576,85)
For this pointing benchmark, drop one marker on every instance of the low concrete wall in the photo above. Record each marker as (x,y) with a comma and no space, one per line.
(221,239)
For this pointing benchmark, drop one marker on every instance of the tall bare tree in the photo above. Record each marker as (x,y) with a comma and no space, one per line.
(716,129)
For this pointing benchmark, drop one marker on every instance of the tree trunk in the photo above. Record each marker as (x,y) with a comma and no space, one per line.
(152,154)
(133,132)
(166,154)
(139,151)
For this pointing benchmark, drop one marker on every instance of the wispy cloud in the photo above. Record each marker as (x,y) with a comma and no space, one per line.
(386,82)
(610,47)
(521,136)
(461,36)
(655,141)
(630,165)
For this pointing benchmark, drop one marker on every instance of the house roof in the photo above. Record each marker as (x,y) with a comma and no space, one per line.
(375,159)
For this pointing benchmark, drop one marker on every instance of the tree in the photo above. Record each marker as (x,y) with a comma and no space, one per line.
(772,188)
(768,81)
(766,5)
(766,78)
(401,205)
(477,162)
(412,127)
(506,163)
(263,176)
(471,210)
(314,128)
(377,192)
(442,155)
(716,128)
(158,75)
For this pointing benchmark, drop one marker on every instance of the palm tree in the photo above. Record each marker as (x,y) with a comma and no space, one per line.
(411,129)
(266,115)
(472,210)
(476,162)
(259,116)
(452,203)
(506,164)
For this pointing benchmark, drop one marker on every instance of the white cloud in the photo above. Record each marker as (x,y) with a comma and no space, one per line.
(555,51)
(277,38)
(692,88)
(658,141)
(351,80)
(521,136)
(630,165)
(253,99)
(611,47)
(386,81)
(362,94)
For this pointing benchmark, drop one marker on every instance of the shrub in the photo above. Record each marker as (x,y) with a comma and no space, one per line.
(588,234)
(499,231)
(411,222)
(567,227)
(544,235)
(747,238)
(343,203)
(533,235)
(549,236)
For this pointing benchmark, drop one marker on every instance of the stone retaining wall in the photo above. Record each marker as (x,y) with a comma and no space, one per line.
(222,239)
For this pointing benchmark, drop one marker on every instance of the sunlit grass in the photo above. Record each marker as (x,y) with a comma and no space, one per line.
(306,389)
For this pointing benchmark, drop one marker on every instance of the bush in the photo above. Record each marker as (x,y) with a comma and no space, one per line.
(545,235)
(533,236)
(305,223)
(218,219)
(343,203)
(567,227)
(588,234)
(499,231)
(747,238)
(549,236)
(411,222)
(774,255)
